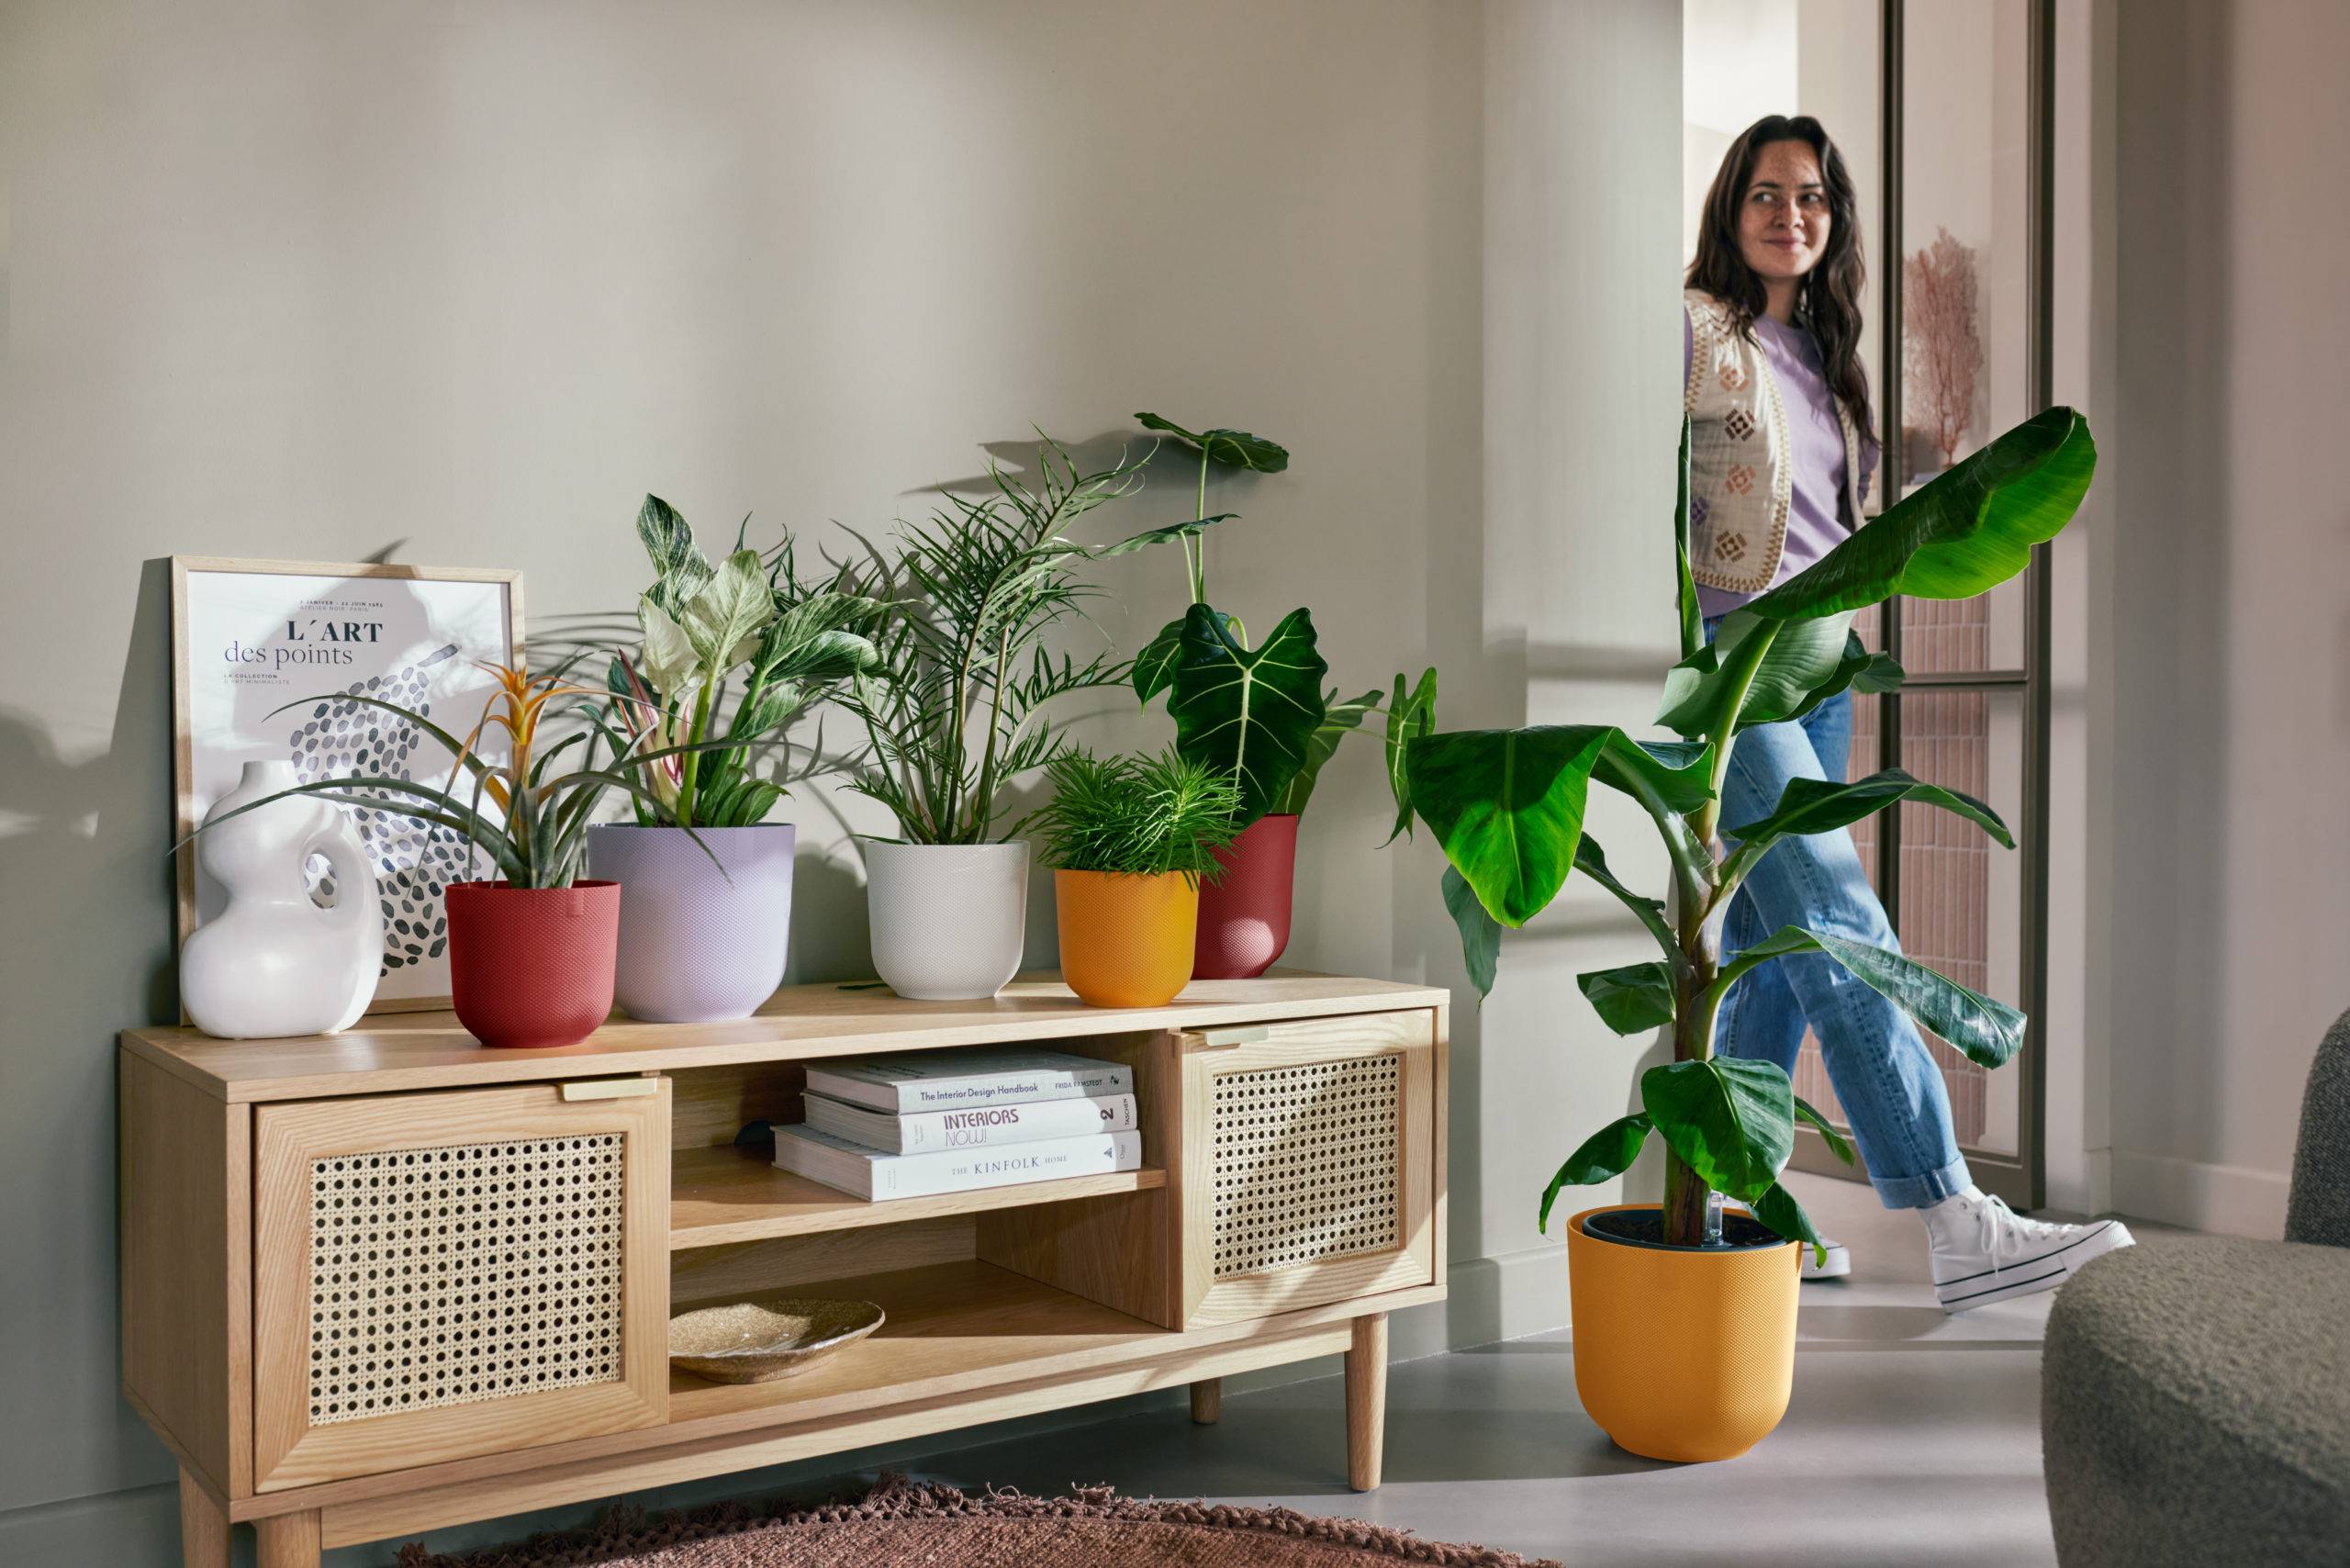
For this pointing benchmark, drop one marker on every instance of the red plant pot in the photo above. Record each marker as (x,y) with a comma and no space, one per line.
(532,967)
(1243,918)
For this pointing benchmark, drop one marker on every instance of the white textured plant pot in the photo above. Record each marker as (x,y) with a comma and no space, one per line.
(949,920)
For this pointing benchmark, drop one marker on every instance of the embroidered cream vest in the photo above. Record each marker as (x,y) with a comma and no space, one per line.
(1739,477)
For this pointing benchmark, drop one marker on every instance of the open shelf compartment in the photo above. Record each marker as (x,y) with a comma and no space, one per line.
(717,1196)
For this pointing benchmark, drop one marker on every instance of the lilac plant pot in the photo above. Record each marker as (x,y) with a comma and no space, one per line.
(696,945)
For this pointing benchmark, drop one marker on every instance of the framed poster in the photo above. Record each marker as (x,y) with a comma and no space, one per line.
(251,637)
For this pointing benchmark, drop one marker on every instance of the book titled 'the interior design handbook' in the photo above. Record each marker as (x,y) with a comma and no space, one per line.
(870,1174)
(946,1080)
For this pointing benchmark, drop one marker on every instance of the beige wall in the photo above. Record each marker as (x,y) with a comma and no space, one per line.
(2228,654)
(460,283)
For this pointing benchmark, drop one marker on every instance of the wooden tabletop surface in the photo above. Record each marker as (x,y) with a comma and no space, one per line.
(431,1050)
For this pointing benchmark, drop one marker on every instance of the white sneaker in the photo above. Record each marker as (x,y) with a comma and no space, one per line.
(1985,1251)
(1839,1264)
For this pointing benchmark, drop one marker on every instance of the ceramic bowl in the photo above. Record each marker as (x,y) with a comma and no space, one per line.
(758,1341)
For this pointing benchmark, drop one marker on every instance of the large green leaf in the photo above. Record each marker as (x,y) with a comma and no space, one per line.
(1165,535)
(1731,1121)
(1963,533)
(1693,617)
(1507,805)
(1236,449)
(1778,1209)
(1633,999)
(1604,1155)
(1338,718)
(1821,805)
(1248,713)
(1803,657)
(1592,863)
(1835,1141)
(1410,714)
(1989,1032)
(678,568)
(1481,934)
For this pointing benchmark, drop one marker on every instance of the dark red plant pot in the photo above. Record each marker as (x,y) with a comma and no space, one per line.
(1243,918)
(532,967)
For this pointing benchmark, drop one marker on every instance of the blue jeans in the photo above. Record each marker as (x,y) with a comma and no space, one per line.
(1892,1092)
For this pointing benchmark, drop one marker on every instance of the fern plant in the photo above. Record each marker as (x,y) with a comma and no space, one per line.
(1140,816)
(953,707)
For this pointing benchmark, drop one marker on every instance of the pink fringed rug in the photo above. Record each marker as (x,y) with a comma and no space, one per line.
(938,1527)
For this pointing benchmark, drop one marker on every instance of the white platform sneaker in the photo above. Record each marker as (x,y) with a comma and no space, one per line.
(1985,1251)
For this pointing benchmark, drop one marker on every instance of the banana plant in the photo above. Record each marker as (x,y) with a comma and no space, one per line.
(1259,713)
(1507,807)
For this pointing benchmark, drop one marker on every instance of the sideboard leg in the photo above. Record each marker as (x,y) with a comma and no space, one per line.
(1367,1401)
(288,1540)
(1207,1401)
(204,1525)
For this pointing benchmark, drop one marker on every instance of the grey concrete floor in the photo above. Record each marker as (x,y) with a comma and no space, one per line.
(1913,1439)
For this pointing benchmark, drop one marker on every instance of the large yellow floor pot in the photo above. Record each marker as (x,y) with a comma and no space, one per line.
(1682,1353)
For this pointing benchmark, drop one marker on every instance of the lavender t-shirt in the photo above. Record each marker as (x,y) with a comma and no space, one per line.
(1816,519)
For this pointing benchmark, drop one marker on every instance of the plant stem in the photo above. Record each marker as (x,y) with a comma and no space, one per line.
(1696,1003)
(694,732)
(1198,562)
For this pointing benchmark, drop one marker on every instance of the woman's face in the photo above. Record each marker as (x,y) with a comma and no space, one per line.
(1782,221)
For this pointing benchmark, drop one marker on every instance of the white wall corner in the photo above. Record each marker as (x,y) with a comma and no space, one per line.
(2197,1194)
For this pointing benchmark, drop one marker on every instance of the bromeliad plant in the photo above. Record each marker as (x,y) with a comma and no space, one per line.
(1141,816)
(1260,714)
(1508,806)
(533,827)
(954,705)
(788,642)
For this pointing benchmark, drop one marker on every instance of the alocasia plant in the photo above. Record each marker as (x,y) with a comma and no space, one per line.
(1259,713)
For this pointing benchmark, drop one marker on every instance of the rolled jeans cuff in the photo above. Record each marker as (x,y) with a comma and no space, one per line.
(1922,1191)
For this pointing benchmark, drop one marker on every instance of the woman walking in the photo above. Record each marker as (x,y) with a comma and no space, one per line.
(1780,458)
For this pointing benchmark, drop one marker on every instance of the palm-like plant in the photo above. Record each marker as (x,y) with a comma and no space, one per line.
(1508,806)
(954,706)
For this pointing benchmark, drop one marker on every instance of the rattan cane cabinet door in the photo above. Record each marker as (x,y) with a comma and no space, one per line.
(443,1275)
(1308,1166)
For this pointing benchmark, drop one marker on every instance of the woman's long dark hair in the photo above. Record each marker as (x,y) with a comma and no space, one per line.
(1828,300)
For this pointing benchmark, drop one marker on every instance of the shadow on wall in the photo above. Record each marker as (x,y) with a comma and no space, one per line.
(88,924)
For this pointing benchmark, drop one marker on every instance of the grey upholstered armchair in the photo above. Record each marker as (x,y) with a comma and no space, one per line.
(2195,1393)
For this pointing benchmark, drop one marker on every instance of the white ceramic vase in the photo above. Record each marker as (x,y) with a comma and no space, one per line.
(949,920)
(272,963)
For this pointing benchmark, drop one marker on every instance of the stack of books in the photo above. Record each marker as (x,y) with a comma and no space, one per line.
(922,1123)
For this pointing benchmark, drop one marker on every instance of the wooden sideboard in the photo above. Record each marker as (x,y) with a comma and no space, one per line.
(390,1280)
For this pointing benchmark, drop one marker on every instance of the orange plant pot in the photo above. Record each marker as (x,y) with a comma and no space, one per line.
(1682,1354)
(1126,940)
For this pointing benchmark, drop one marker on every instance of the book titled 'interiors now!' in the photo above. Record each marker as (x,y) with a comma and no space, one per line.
(870,1174)
(941,1080)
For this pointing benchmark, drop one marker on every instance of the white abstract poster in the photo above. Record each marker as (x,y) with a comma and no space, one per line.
(273,661)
